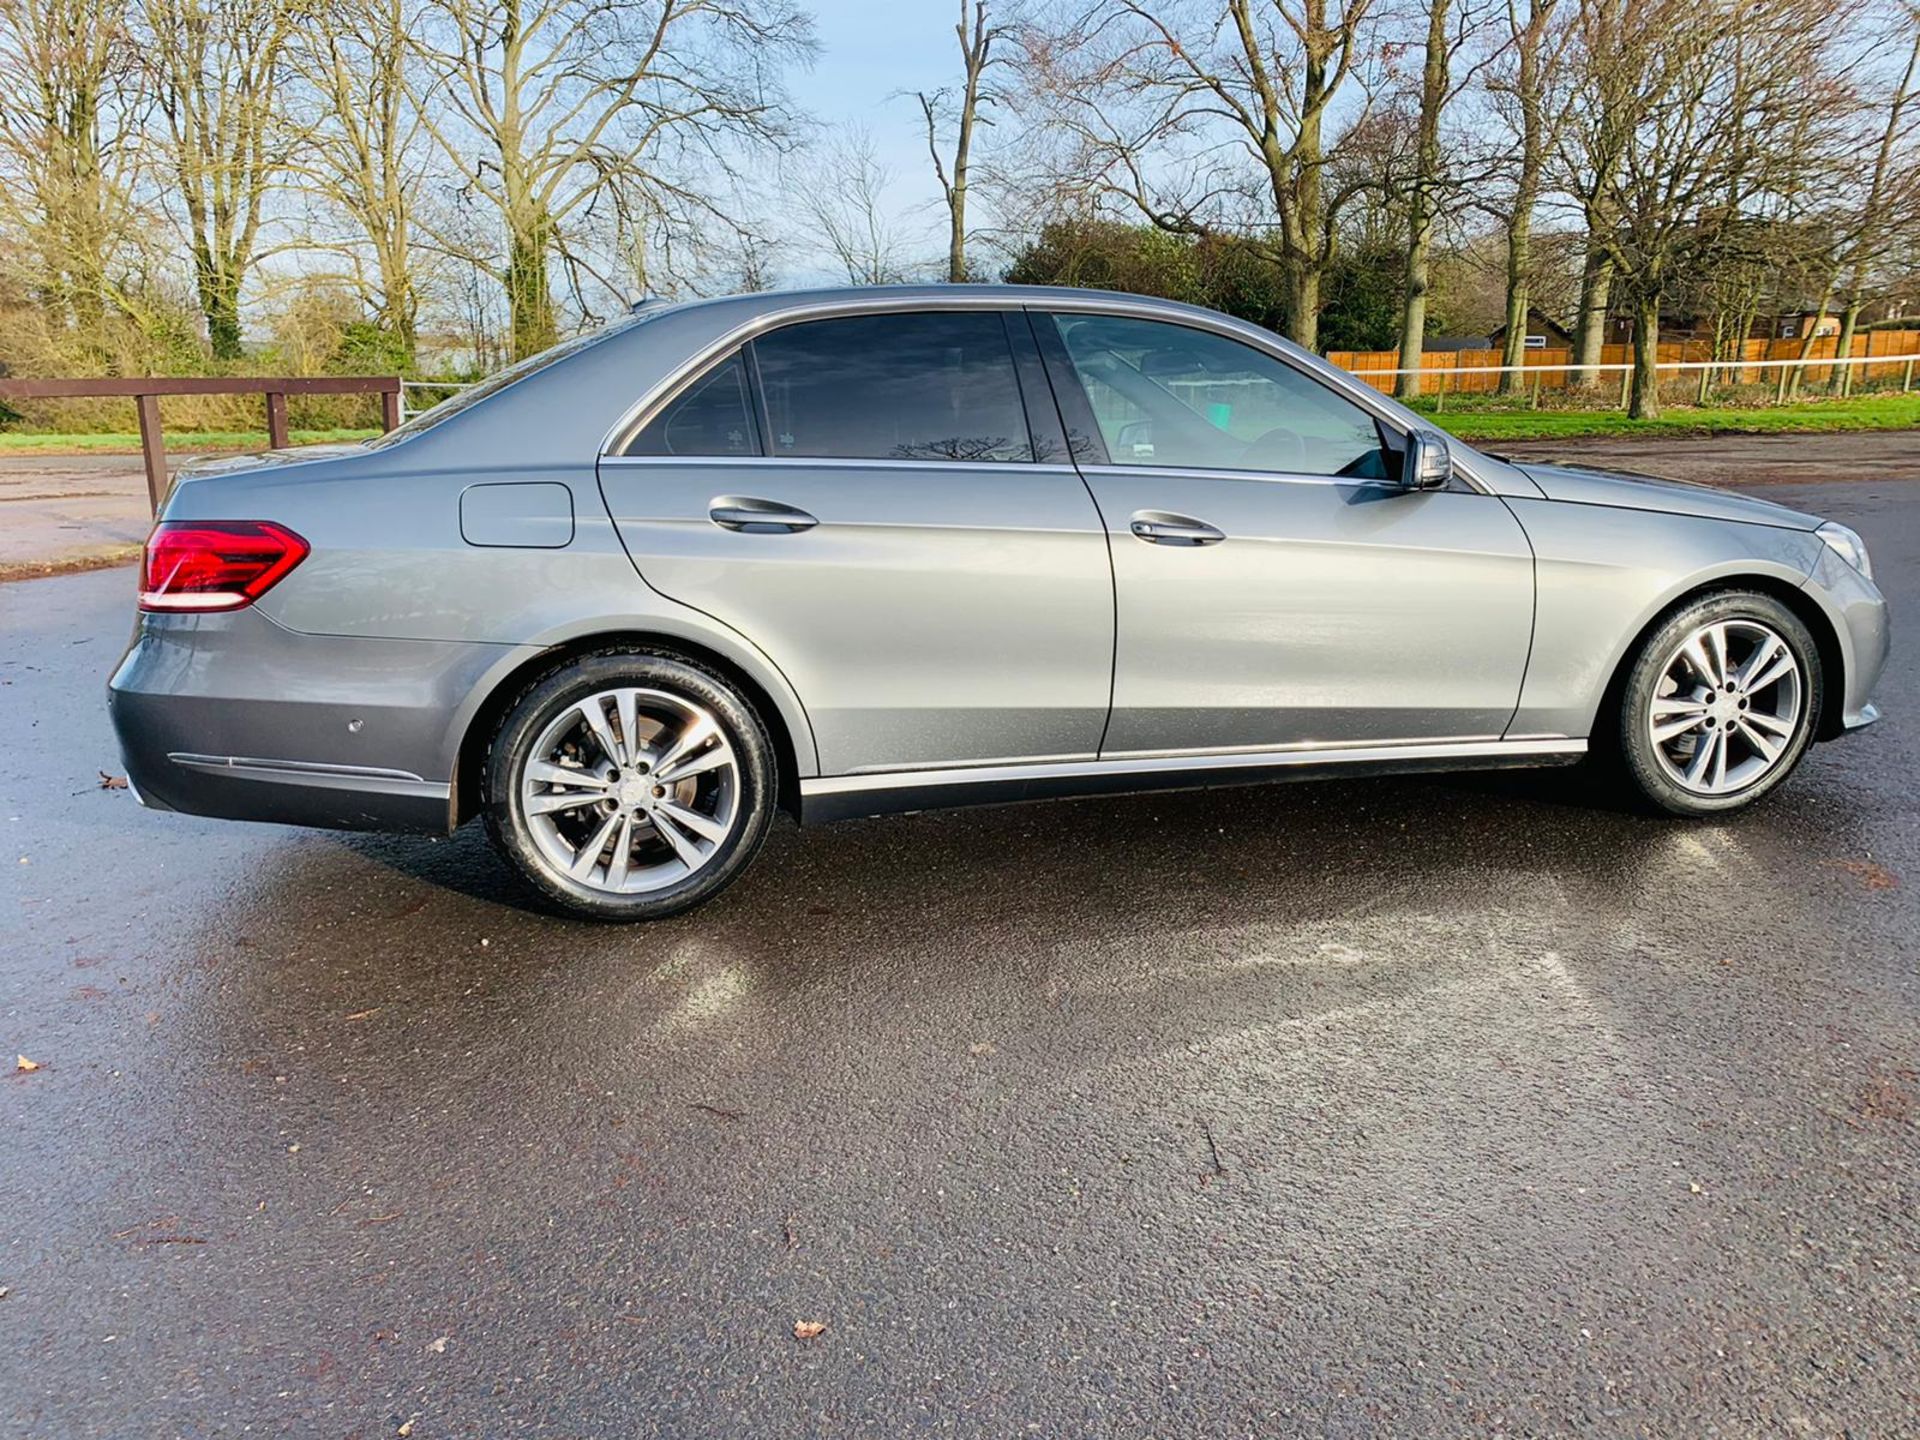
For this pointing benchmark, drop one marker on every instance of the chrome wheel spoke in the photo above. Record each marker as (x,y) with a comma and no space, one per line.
(548,773)
(1674,716)
(698,764)
(690,740)
(707,829)
(626,706)
(1771,675)
(1710,750)
(588,855)
(554,801)
(681,844)
(1779,728)
(1768,746)
(622,857)
(1696,652)
(1763,653)
(594,713)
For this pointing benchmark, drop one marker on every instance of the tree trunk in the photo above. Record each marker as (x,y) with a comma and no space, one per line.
(1645,401)
(1590,332)
(1842,381)
(1303,304)
(1513,352)
(220,304)
(1413,317)
(1420,212)
(533,325)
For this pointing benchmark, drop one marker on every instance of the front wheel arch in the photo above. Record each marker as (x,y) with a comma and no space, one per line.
(1826,725)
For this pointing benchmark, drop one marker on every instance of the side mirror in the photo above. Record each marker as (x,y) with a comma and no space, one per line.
(1428,464)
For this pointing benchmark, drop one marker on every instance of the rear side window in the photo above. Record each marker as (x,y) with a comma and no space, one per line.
(938,386)
(712,416)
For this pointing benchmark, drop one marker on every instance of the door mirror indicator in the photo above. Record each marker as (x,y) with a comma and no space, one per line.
(1428,464)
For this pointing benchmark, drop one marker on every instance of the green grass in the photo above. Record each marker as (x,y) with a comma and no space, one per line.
(113,443)
(1867,412)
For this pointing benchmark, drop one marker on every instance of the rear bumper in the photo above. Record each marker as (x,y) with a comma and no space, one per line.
(236,717)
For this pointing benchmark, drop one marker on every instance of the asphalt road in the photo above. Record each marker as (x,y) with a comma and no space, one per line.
(1431,1108)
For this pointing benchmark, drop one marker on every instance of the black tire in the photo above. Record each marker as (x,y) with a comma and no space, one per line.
(547,699)
(1638,753)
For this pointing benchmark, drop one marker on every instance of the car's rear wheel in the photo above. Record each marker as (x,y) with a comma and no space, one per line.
(629,786)
(1720,703)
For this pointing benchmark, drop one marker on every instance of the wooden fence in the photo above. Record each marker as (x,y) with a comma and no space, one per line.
(145,392)
(1368,364)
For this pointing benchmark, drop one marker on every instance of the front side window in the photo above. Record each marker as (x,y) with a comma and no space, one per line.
(712,416)
(1169,395)
(934,386)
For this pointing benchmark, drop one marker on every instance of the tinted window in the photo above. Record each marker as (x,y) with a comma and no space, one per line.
(1166,394)
(894,387)
(712,416)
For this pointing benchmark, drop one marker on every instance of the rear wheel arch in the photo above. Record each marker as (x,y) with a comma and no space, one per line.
(1819,624)
(469,773)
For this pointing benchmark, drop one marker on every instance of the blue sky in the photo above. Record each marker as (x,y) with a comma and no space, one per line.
(869,50)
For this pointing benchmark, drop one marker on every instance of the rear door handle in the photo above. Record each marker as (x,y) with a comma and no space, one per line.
(753,516)
(1162,527)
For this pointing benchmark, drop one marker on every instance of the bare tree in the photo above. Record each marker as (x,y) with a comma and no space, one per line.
(1728,124)
(363,155)
(977,37)
(846,203)
(1211,115)
(1873,236)
(66,154)
(1535,47)
(218,67)
(548,106)
(1449,32)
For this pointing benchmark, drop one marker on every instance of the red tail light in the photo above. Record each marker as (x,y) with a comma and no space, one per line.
(215,564)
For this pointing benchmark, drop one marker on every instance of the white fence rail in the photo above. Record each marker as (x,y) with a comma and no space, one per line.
(1706,369)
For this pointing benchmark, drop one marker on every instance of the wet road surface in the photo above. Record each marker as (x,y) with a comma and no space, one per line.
(1417,1108)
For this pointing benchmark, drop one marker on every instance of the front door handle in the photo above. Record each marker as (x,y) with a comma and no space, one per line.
(1162,527)
(752,516)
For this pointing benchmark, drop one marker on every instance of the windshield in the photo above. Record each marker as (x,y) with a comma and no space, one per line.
(499,381)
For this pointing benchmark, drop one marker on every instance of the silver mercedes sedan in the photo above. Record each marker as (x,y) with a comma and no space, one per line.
(856,551)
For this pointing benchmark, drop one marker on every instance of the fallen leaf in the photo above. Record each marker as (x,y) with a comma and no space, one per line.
(25,1066)
(112,782)
(439,1347)
(1869,873)
(406,1429)
(808,1329)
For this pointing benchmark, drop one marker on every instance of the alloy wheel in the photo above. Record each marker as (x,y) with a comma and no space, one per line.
(631,790)
(1727,707)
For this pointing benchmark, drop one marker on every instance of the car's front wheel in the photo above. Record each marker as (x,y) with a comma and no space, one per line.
(1720,703)
(629,786)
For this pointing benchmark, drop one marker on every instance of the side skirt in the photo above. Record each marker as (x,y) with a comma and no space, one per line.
(847,797)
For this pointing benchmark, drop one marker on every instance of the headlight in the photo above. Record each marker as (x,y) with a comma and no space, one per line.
(1848,545)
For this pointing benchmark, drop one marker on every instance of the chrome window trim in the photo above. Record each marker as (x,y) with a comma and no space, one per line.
(636,416)
(1210,760)
(864,462)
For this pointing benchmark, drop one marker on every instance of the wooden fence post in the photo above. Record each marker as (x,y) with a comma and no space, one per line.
(153,449)
(390,408)
(276,420)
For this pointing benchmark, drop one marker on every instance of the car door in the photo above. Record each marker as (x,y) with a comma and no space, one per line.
(859,496)
(1275,585)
